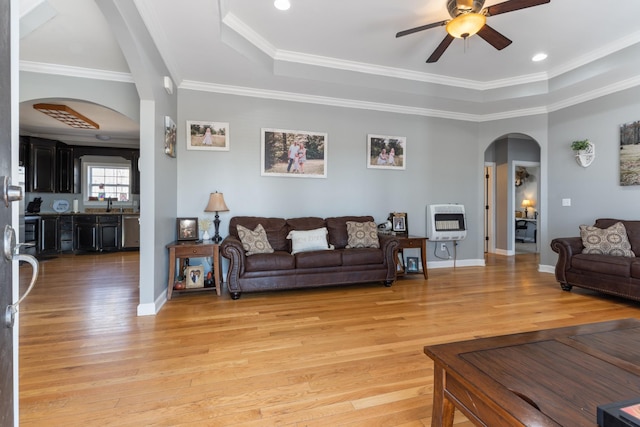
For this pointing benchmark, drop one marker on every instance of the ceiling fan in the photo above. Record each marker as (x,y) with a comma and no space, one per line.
(469,18)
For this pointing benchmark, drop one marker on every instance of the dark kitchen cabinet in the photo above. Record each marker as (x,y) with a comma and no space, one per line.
(23,147)
(86,233)
(135,172)
(97,232)
(65,233)
(109,231)
(48,235)
(55,167)
(41,166)
(65,165)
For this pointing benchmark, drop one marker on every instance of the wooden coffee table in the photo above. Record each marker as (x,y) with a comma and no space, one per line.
(554,377)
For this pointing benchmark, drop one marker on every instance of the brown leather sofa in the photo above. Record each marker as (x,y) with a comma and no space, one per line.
(615,275)
(282,270)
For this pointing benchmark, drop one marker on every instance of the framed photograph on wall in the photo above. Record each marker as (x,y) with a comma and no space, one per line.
(187,229)
(386,152)
(630,153)
(399,222)
(210,136)
(170,137)
(294,153)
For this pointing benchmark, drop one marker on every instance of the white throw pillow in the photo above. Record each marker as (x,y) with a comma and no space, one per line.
(309,240)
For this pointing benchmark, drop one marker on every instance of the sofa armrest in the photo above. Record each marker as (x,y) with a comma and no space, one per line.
(389,245)
(566,247)
(231,248)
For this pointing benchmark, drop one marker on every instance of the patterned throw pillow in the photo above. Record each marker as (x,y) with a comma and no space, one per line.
(309,240)
(254,242)
(362,235)
(606,241)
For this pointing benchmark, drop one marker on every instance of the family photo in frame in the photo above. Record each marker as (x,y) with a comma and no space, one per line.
(386,152)
(187,229)
(194,277)
(412,264)
(399,222)
(292,153)
(212,136)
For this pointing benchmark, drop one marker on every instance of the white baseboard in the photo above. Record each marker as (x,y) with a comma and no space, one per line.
(151,309)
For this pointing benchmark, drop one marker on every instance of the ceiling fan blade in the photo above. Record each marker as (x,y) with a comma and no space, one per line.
(421,28)
(444,44)
(512,5)
(493,37)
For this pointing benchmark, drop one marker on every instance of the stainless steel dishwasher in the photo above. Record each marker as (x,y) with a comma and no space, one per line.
(130,231)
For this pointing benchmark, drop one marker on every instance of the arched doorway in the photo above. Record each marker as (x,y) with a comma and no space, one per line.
(512,175)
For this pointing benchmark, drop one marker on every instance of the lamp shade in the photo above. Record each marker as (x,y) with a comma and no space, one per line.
(526,203)
(466,24)
(216,203)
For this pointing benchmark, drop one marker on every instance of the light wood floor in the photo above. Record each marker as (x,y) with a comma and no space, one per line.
(350,356)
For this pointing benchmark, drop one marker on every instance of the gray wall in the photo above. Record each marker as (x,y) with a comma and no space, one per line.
(594,191)
(441,167)
(157,171)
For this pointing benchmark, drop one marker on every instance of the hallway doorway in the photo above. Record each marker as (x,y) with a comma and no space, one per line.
(512,186)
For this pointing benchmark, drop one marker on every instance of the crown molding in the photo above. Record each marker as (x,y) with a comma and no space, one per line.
(236,24)
(70,71)
(596,93)
(325,100)
(594,55)
(332,101)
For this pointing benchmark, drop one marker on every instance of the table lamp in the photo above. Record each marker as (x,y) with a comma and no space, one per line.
(216,204)
(526,203)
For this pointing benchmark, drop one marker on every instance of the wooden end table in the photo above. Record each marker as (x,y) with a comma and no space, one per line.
(413,242)
(192,249)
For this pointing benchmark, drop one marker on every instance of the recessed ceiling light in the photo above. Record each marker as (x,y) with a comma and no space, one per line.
(282,4)
(539,57)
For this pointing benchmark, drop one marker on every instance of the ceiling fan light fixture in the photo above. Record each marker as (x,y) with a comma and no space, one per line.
(466,25)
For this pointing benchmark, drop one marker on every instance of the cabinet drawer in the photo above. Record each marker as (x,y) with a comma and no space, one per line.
(410,243)
(193,251)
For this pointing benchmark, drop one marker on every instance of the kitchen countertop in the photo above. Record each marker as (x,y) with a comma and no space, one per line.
(87,212)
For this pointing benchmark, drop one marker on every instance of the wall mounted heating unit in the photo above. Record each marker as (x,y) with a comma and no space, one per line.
(446,222)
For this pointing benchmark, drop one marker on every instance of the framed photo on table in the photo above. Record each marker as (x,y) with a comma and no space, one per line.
(187,229)
(194,277)
(412,265)
(399,222)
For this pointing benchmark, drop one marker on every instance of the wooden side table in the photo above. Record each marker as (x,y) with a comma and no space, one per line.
(414,242)
(181,250)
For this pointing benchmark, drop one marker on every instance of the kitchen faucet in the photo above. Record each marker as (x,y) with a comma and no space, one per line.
(108,204)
